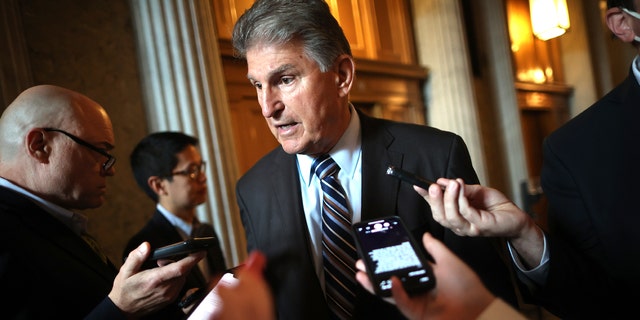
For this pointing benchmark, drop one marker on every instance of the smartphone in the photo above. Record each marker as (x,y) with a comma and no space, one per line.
(183,248)
(409,177)
(387,248)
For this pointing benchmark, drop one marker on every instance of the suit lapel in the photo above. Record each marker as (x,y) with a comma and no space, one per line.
(379,191)
(289,208)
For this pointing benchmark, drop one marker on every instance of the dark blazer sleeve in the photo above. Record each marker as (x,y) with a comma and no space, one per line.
(590,177)
(46,270)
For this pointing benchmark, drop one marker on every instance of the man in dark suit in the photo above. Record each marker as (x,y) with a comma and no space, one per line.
(169,168)
(54,158)
(586,265)
(301,65)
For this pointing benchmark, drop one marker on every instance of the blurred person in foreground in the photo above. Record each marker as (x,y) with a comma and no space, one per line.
(54,161)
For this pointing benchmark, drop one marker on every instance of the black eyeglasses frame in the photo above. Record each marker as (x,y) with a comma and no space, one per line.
(111,160)
(193,172)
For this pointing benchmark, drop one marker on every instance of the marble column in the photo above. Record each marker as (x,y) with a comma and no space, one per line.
(495,35)
(441,46)
(184,90)
(449,94)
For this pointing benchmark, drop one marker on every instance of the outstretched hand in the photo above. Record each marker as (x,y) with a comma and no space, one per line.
(476,210)
(473,210)
(137,292)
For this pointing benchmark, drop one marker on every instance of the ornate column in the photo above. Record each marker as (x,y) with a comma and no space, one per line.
(452,105)
(441,45)
(184,90)
(495,35)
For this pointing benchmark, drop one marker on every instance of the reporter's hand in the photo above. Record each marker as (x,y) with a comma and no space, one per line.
(459,292)
(137,292)
(250,298)
(475,210)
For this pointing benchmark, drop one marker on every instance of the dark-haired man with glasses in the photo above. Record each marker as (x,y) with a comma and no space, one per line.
(169,168)
(54,161)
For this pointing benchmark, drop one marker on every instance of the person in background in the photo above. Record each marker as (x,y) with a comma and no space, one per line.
(169,168)
(54,161)
(585,266)
(300,64)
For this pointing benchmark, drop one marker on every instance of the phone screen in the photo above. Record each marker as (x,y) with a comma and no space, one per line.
(387,248)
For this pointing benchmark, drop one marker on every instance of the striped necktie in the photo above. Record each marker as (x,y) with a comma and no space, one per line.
(338,251)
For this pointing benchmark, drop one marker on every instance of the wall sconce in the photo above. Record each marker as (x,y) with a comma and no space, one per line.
(549,18)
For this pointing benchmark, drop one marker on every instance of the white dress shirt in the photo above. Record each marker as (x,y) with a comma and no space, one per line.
(347,154)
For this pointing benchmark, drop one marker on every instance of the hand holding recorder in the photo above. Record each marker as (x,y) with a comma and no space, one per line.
(181,249)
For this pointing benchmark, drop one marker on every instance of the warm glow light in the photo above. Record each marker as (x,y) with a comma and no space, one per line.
(549,18)
(535,75)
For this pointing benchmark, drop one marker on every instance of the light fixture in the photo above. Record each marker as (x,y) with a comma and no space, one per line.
(549,18)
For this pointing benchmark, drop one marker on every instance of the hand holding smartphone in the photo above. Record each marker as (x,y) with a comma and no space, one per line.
(388,249)
(183,248)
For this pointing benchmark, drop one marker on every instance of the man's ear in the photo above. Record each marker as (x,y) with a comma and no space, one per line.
(156,184)
(37,145)
(620,24)
(346,71)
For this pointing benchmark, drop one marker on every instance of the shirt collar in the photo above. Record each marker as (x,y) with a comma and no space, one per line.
(636,68)
(74,220)
(175,221)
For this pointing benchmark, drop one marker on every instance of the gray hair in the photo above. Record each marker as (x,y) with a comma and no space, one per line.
(277,22)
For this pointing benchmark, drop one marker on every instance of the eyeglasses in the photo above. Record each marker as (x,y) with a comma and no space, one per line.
(193,172)
(631,13)
(111,160)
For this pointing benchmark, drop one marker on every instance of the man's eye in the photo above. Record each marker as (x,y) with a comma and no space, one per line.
(257,85)
(286,80)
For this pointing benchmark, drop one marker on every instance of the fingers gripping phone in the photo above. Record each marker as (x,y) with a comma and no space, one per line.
(387,249)
(183,248)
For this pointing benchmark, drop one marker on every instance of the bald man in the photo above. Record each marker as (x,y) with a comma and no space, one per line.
(55,158)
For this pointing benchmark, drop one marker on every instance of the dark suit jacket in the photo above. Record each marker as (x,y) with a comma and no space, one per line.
(591,178)
(159,232)
(274,221)
(46,270)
